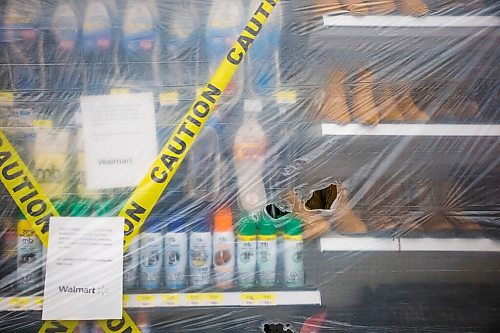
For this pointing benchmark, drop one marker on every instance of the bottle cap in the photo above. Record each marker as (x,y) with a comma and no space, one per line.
(223,220)
(247,226)
(153,224)
(200,224)
(293,227)
(177,224)
(266,226)
(252,106)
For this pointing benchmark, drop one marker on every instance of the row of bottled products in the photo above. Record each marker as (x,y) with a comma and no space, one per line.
(263,250)
(140,35)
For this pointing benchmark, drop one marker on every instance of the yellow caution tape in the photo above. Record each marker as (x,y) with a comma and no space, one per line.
(25,190)
(146,195)
(124,325)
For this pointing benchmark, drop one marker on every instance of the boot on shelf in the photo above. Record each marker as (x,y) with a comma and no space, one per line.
(314,224)
(411,112)
(389,106)
(334,107)
(382,6)
(361,7)
(452,198)
(437,225)
(364,109)
(348,222)
(328,6)
(413,7)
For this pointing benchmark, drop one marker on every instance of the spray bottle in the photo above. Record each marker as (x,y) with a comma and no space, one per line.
(200,253)
(29,256)
(223,248)
(247,252)
(293,253)
(151,250)
(266,252)
(176,253)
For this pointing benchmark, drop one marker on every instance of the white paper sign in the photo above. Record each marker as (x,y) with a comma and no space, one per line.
(83,279)
(120,139)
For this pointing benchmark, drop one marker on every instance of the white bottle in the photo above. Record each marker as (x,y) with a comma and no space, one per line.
(249,153)
(247,252)
(266,253)
(200,254)
(223,249)
(131,265)
(29,255)
(293,254)
(151,242)
(176,254)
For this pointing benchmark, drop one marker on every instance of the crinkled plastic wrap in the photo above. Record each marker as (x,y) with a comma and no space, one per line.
(348,179)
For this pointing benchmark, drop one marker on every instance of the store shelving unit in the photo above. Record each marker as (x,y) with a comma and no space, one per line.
(205,299)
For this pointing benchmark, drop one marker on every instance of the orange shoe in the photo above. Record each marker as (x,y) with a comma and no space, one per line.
(413,7)
(411,111)
(334,107)
(327,6)
(389,107)
(364,109)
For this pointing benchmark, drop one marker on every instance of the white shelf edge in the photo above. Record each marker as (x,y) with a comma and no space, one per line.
(210,299)
(426,244)
(399,21)
(411,130)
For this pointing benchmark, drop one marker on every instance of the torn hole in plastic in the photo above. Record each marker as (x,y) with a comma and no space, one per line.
(275,212)
(322,198)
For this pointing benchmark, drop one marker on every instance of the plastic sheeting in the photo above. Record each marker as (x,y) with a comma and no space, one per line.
(366,128)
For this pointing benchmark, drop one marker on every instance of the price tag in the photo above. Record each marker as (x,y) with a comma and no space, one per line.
(119,91)
(38,303)
(286,97)
(45,123)
(6,97)
(145,300)
(248,299)
(19,304)
(169,98)
(194,299)
(126,301)
(170,299)
(266,299)
(213,298)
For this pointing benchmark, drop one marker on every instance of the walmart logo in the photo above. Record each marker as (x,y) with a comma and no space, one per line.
(83,290)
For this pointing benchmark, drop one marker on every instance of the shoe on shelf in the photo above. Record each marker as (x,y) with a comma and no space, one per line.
(359,6)
(389,106)
(334,107)
(329,6)
(411,111)
(382,7)
(364,109)
(314,224)
(413,7)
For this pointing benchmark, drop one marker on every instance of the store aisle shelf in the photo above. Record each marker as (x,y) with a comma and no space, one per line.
(398,21)
(261,298)
(335,242)
(457,130)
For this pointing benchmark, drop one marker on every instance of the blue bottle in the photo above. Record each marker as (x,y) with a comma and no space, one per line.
(176,253)
(151,254)
(140,45)
(99,45)
(200,253)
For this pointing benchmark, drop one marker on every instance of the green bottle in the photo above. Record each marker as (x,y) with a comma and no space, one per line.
(266,252)
(293,253)
(246,251)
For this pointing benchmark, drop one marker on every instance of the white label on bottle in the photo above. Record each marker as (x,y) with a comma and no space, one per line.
(151,259)
(266,261)
(247,262)
(176,253)
(294,263)
(200,255)
(223,258)
(29,253)
(131,264)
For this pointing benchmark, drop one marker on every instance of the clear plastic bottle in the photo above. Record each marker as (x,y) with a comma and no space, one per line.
(249,153)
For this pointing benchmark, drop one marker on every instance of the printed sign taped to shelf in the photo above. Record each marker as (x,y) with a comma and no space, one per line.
(25,190)
(142,201)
